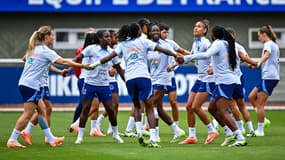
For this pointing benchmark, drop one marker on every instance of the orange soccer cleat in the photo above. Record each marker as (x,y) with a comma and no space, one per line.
(27,137)
(189,140)
(211,137)
(14,144)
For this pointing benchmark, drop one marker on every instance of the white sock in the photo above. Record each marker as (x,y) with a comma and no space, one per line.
(80,133)
(250,126)
(260,127)
(157,133)
(48,134)
(228,131)
(93,125)
(175,128)
(142,117)
(14,135)
(146,121)
(100,120)
(115,131)
(139,128)
(192,132)
(152,134)
(240,126)
(130,124)
(177,123)
(239,135)
(29,128)
(76,123)
(215,123)
(210,128)
(110,128)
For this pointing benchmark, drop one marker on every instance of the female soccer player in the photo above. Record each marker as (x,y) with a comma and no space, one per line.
(38,58)
(270,75)
(202,88)
(134,49)
(161,79)
(224,58)
(96,84)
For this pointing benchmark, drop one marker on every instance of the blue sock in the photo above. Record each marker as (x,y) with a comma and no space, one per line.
(43,123)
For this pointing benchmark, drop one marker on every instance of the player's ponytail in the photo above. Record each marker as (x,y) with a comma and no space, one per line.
(221,33)
(269,32)
(37,37)
(123,32)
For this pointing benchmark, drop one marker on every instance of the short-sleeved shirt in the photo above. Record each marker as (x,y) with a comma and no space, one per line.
(134,53)
(100,75)
(36,65)
(270,68)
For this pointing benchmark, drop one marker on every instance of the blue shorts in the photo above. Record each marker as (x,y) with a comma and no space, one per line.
(139,88)
(267,86)
(239,93)
(173,86)
(29,94)
(160,87)
(114,87)
(44,92)
(196,86)
(102,92)
(227,91)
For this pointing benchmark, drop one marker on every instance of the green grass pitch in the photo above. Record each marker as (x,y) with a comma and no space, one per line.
(270,147)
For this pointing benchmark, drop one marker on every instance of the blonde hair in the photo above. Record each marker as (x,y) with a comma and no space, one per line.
(269,32)
(37,37)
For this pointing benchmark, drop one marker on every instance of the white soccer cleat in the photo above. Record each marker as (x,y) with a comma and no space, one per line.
(118,139)
(78,141)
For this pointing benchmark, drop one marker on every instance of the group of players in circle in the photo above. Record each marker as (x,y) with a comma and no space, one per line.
(146,64)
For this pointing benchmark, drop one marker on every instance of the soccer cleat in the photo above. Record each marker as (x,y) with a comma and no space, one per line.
(57,141)
(157,140)
(267,123)
(152,144)
(259,134)
(211,137)
(14,144)
(145,133)
(109,131)
(129,134)
(251,134)
(118,139)
(238,143)
(27,137)
(78,141)
(189,140)
(177,137)
(142,141)
(228,140)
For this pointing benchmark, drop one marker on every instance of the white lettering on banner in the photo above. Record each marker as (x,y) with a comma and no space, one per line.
(184,83)
(36,2)
(57,4)
(90,2)
(63,86)
(164,2)
(67,86)
(120,2)
(238,2)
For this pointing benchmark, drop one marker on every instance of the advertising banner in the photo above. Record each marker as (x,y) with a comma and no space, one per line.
(64,89)
(142,6)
